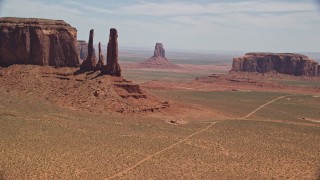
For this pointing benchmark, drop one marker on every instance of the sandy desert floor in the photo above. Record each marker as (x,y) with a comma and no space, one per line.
(214,128)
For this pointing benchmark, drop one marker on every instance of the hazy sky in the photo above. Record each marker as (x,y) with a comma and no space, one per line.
(199,25)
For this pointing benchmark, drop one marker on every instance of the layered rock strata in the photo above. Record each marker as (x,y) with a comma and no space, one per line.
(285,63)
(37,41)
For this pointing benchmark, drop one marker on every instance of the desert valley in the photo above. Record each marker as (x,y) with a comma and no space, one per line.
(86,109)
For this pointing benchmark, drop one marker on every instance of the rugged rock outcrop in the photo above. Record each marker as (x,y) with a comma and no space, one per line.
(113,67)
(158,60)
(159,51)
(90,63)
(100,63)
(285,63)
(83,49)
(81,91)
(38,42)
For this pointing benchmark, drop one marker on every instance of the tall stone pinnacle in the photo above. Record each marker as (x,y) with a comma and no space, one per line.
(90,45)
(113,67)
(90,63)
(159,51)
(100,52)
(100,63)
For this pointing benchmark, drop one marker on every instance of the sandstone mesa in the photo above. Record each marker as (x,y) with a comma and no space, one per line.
(285,63)
(38,42)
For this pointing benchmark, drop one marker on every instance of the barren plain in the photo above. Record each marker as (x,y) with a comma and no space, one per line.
(221,126)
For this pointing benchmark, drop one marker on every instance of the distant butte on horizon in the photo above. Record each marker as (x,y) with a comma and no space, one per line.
(158,60)
(285,63)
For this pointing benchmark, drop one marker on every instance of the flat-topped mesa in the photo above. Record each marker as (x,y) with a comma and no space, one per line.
(37,41)
(90,63)
(100,63)
(83,49)
(285,63)
(159,51)
(113,67)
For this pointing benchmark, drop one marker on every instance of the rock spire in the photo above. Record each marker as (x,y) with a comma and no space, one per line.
(90,63)
(113,67)
(100,63)
(159,51)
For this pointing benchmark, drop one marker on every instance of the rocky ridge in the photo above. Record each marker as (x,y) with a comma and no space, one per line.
(86,91)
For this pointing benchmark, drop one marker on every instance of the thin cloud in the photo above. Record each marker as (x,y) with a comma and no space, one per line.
(25,7)
(267,21)
(90,8)
(243,25)
(171,9)
(183,8)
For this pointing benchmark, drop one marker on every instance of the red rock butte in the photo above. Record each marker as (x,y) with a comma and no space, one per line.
(38,41)
(30,47)
(285,63)
(159,51)
(158,60)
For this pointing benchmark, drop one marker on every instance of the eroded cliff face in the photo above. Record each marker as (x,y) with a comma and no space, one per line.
(286,63)
(38,41)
